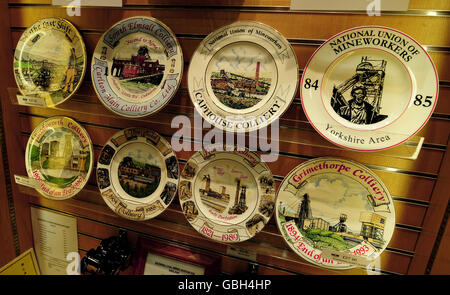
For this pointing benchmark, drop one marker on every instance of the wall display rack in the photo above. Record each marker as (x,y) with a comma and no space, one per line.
(415,172)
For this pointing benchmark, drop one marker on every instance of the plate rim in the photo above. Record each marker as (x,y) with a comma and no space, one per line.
(344,159)
(374,149)
(117,193)
(80,37)
(178,82)
(242,223)
(91,151)
(287,43)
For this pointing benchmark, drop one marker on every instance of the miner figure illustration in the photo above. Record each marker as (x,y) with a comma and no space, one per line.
(71,71)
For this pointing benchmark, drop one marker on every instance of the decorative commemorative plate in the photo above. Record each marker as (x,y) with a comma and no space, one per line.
(245,77)
(335,205)
(137,67)
(227,196)
(137,174)
(369,88)
(50,60)
(59,156)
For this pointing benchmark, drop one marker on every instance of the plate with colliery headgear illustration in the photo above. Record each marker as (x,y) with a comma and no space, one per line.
(369,88)
(245,76)
(335,206)
(137,67)
(227,196)
(50,60)
(137,174)
(59,157)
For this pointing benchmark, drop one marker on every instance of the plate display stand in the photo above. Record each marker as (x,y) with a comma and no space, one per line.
(415,172)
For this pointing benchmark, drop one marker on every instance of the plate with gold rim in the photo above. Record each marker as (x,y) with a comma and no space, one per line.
(59,156)
(244,76)
(227,195)
(137,173)
(335,206)
(137,67)
(50,60)
(369,88)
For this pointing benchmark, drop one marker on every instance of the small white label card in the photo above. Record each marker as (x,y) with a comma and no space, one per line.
(160,265)
(31,101)
(345,256)
(55,236)
(25,180)
(78,3)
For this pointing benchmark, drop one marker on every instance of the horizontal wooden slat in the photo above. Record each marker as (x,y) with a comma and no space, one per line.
(413,4)
(303,52)
(321,26)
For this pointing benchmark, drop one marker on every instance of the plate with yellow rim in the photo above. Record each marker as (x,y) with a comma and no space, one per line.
(338,206)
(59,156)
(369,88)
(137,67)
(243,76)
(50,60)
(137,173)
(227,195)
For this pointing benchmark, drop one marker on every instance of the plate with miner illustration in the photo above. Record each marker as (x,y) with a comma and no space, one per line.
(59,157)
(137,67)
(369,88)
(50,61)
(335,206)
(137,174)
(227,195)
(245,77)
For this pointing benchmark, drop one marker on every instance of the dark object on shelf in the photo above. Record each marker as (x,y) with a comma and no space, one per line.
(111,256)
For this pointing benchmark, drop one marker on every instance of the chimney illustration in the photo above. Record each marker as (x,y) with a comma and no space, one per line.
(257,73)
(223,190)
(238,186)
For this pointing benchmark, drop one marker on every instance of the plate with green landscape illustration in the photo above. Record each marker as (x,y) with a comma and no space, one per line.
(227,195)
(50,61)
(329,209)
(59,157)
(245,76)
(137,66)
(137,173)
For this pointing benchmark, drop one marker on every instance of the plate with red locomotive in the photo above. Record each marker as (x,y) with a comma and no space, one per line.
(369,88)
(137,67)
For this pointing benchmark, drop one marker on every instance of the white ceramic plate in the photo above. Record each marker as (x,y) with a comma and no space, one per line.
(369,88)
(50,60)
(243,76)
(336,204)
(137,173)
(227,196)
(59,156)
(137,67)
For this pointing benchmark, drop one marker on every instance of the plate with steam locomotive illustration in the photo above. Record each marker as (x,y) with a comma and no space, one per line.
(137,67)
(137,174)
(50,61)
(338,206)
(245,77)
(227,195)
(59,157)
(369,88)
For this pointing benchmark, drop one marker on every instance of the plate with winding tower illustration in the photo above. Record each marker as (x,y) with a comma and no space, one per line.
(137,67)
(338,206)
(59,157)
(369,88)
(227,195)
(50,61)
(245,76)
(137,174)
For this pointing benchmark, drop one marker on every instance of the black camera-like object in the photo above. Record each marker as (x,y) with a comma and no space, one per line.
(111,256)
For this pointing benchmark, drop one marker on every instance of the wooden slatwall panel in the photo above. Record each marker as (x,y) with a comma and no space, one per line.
(416,185)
